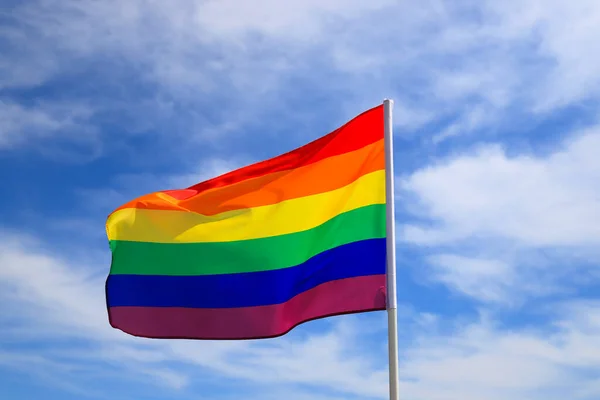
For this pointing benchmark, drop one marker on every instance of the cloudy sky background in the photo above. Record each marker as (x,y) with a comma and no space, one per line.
(497,171)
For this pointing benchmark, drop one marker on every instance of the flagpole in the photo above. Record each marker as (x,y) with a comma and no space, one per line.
(392,301)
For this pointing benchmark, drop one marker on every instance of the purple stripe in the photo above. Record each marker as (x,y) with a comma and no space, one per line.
(344,296)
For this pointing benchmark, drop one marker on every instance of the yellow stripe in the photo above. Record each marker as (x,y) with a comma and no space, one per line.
(162,226)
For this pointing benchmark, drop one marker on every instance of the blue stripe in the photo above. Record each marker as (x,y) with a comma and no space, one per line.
(249,289)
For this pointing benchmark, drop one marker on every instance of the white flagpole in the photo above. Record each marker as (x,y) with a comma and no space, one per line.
(392,301)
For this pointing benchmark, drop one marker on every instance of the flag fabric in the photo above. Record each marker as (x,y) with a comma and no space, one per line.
(257,251)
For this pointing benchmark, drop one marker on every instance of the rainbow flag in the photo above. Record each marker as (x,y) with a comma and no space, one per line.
(257,251)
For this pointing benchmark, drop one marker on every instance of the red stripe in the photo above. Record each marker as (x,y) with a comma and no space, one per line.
(361,131)
(344,296)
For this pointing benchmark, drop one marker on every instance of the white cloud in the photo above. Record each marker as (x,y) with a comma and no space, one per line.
(533,200)
(471,120)
(485,279)
(198,40)
(466,62)
(484,360)
(40,122)
(563,33)
(65,300)
(506,228)
(480,63)
(298,20)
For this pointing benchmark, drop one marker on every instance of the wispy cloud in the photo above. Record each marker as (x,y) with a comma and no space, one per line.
(485,279)
(533,200)
(47,125)
(492,216)
(474,63)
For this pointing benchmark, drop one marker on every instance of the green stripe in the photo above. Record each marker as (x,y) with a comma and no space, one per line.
(265,254)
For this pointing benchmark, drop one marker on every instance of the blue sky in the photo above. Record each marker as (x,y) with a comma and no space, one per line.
(496,163)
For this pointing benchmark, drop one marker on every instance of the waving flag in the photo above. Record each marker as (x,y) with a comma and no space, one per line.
(257,251)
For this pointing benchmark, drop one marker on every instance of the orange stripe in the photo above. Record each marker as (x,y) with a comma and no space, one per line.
(323,176)
(361,131)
